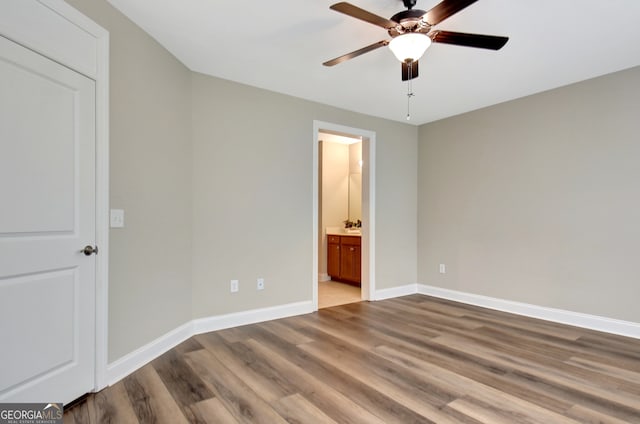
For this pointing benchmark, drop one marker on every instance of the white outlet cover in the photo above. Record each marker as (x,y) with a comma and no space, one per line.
(116,218)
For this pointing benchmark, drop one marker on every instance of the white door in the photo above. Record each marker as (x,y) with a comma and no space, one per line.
(47,217)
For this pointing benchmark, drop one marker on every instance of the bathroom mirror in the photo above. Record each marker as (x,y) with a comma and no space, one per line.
(355,197)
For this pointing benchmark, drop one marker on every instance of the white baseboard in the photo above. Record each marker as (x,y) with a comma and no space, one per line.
(124,366)
(592,322)
(396,292)
(220,322)
(324,277)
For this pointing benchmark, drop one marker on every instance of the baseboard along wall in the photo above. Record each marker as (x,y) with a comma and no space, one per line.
(124,366)
(592,322)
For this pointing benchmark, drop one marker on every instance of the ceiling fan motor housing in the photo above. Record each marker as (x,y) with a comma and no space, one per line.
(409,21)
(409,3)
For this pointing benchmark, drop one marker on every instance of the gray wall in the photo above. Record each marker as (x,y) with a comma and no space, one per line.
(215,179)
(537,200)
(150,154)
(253,157)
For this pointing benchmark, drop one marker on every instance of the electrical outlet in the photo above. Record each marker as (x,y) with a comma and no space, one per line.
(260,285)
(443,269)
(235,286)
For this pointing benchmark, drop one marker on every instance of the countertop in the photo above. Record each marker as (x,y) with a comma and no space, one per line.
(342,233)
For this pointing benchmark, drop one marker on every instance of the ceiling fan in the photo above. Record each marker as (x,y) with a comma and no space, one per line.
(412,31)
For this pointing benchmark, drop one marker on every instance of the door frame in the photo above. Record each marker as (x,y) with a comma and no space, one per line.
(368,206)
(83,46)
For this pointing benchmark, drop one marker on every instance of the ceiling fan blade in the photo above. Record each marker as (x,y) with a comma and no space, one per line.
(491,42)
(356,53)
(356,12)
(445,9)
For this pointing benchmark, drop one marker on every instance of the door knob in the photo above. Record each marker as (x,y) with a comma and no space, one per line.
(90,250)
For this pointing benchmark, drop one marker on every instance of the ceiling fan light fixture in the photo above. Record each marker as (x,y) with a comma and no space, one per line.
(410,46)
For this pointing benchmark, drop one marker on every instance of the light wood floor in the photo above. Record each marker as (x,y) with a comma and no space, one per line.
(333,293)
(413,359)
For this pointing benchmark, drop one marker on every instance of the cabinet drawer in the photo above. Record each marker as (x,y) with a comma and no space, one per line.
(334,239)
(351,240)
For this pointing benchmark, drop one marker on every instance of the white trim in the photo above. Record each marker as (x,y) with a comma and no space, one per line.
(91,58)
(324,277)
(592,322)
(135,360)
(368,289)
(101,77)
(145,354)
(396,292)
(315,182)
(368,286)
(220,322)
(102,212)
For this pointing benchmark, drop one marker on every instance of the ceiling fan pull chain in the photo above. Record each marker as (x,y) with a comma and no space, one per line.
(409,89)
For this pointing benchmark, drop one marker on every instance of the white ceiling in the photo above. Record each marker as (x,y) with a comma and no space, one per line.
(280,45)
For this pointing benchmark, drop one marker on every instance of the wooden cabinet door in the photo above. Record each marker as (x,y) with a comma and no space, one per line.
(333,259)
(350,263)
(350,259)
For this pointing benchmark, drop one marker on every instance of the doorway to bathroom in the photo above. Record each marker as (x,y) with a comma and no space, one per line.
(344,220)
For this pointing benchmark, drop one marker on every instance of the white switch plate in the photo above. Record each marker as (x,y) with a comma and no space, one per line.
(260,284)
(443,269)
(235,286)
(116,217)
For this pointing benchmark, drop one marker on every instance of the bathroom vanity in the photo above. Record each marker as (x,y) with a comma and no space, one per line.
(344,258)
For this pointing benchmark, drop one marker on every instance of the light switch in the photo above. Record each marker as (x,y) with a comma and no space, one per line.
(117,218)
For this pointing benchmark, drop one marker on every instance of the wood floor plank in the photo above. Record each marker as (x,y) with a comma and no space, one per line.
(213,411)
(463,385)
(245,364)
(188,345)
(414,359)
(335,404)
(183,383)
(238,398)
(606,369)
(595,389)
(516,347)
(491,413)
(151,399)
(425,398)
(296,409)
(327,375)
(477,393)
(587,415)
(287,333)
(111,407)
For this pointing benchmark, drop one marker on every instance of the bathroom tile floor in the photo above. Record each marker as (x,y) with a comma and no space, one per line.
(332,293)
